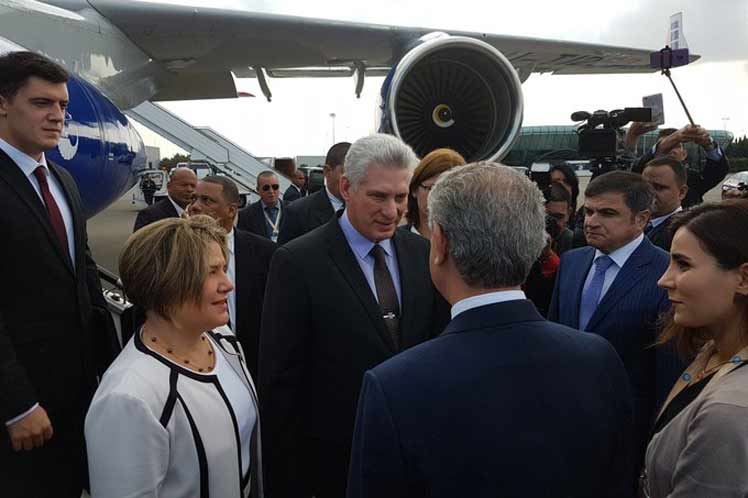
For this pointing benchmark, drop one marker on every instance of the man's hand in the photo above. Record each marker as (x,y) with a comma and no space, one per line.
(31,431)
(636,130)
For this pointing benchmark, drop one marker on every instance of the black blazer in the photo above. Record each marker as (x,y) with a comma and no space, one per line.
(661,236)
(321,330)
(253,255)
(306,215)
(155,212)
(56,335)
(503,403)
(291,194)
(252,219)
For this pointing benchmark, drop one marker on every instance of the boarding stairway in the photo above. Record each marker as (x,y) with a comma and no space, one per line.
(204,144)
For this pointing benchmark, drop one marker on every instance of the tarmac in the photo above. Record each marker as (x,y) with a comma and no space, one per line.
(108,230)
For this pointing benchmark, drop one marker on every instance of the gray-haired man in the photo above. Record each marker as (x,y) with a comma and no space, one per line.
(361,293)
(503,403)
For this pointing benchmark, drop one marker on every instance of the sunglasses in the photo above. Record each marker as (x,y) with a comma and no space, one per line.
(266,187)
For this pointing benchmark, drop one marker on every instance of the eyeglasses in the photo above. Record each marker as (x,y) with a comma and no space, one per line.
(266,187)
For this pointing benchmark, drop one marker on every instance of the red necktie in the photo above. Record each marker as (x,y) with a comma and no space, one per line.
(55,218)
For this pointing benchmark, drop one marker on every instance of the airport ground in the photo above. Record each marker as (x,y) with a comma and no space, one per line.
(108,230)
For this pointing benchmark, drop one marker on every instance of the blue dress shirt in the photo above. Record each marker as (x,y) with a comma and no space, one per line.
(361,246)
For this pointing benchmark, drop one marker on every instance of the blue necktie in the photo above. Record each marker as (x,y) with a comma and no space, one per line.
(591,295)
(649,228)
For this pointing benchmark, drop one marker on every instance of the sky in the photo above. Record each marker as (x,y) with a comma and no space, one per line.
(298,121)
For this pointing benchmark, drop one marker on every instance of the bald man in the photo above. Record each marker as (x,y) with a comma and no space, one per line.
(180,192)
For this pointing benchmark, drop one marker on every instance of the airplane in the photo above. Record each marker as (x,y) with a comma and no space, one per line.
(442,87)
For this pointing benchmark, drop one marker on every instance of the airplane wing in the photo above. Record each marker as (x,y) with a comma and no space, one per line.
(203,40)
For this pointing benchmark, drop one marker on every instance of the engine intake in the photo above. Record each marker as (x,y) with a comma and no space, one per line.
(456,92)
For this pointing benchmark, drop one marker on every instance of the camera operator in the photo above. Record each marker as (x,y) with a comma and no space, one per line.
(670,143)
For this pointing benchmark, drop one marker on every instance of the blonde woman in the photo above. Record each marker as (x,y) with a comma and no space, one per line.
(176,414)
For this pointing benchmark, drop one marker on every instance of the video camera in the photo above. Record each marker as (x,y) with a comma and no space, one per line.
(598,135)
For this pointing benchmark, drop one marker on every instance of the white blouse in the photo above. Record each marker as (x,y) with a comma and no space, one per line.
(156,429)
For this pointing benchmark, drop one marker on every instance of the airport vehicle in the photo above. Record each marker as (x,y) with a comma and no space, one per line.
(736,186)
(443,88)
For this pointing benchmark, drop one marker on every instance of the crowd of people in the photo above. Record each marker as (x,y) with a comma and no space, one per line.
(416,327)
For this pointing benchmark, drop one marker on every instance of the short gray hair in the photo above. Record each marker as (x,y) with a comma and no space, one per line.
(377,150)
(493,218)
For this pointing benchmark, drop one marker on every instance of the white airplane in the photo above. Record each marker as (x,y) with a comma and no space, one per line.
(443,88)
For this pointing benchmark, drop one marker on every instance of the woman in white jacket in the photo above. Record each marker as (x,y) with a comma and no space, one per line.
(176,414)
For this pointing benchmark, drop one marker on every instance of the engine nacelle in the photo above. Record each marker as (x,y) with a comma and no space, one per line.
(456,92)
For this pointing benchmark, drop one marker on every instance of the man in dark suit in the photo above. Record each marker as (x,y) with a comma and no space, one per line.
(264,217)
(669,181)
(248,262)
(670,143)
(340,299)
(181,191)
(295,191)
(56,335)
(317,209)
(610,288)
(503,403)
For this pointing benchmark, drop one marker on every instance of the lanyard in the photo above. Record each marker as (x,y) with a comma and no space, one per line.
(274,226)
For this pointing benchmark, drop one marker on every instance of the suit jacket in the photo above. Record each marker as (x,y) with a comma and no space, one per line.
(291,194)
(503,403)
(699,182)
(252,219)
(626,317)
(306,215)
(660,236)
(321,330)
(56,335)
(253,254)
(155,212)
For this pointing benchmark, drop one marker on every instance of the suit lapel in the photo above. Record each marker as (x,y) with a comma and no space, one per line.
(344,258)
(577,283)
(12,174)
(409,278)
(633,270)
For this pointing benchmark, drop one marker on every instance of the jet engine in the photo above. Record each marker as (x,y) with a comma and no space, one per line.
(456,92)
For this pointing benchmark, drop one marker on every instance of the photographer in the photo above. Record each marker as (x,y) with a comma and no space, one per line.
(670,143)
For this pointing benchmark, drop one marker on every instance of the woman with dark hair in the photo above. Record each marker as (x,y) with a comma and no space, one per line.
(425,176)
(566,177)
(699,446)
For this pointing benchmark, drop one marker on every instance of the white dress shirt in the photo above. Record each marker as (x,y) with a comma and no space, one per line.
(485,299)
(28,165)
(662,219)
(619,257)
(231,263)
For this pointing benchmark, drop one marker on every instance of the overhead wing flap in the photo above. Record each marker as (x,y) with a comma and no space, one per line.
(197,86)
(208,40)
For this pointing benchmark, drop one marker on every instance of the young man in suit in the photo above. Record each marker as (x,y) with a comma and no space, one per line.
(248,263)
(295,191)
(264,217)
(56,335)
(340,300)
(503,403)
(610,289)
(669,181)
(317,209)
(181,191)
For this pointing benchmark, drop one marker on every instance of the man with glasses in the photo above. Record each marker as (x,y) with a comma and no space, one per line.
(265,216)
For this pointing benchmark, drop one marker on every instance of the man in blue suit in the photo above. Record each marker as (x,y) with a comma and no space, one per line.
(503,403)
(610,289)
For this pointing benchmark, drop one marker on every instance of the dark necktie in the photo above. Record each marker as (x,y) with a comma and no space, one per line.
(55,218)
(649,229)
(386,294)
